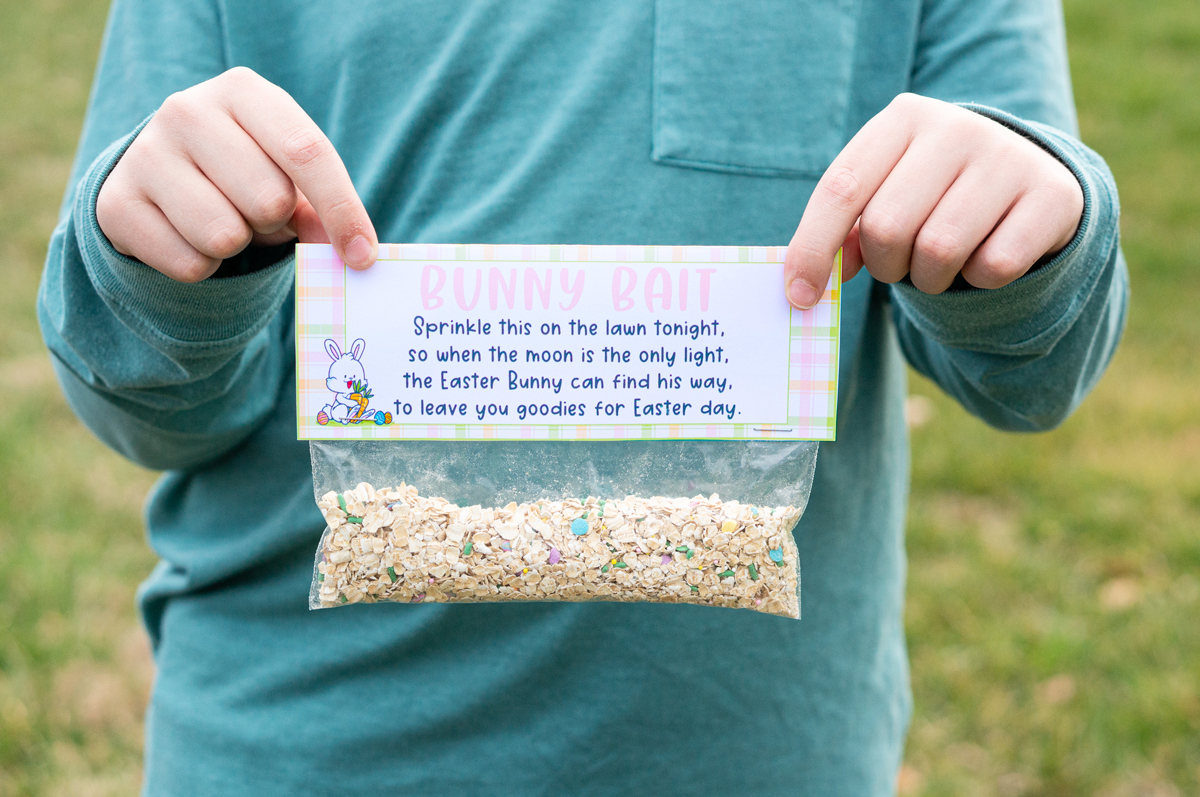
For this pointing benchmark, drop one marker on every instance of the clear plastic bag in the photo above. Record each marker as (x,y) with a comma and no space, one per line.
(678,521)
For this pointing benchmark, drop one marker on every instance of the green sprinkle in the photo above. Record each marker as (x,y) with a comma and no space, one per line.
(353,519)
(620,564)
(726,574)
(342,598)
(320,576)
(604,569)
(695,589)
(689,553)
(753,572)
(681,548)
(468,548)
(392,574)
(779,564)
(342,503)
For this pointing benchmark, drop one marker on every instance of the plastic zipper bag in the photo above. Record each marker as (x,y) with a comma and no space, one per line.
(703,522)
(571,423)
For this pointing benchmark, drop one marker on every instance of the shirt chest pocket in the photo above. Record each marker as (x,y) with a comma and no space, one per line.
(752,87)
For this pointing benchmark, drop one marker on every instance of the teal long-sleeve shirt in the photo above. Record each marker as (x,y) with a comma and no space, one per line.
(614,121)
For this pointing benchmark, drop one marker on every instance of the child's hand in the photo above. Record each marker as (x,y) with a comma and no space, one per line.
(930,190)
(231,161)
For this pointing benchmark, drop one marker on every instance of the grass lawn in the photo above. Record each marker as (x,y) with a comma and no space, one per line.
(1054,580)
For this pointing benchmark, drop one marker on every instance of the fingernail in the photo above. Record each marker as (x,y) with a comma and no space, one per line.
(359,253)
(803,295)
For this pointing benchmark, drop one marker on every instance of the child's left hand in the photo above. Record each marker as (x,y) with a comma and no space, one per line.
(930,190)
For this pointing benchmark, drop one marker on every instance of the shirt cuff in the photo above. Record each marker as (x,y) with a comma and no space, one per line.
(213,313)
(1030,314)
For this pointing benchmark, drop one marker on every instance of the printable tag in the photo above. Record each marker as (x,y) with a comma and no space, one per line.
(513,342)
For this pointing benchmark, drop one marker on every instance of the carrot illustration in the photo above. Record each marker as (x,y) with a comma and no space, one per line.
(362,394)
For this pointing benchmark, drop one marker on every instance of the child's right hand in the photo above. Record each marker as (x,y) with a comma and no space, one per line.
(230,162)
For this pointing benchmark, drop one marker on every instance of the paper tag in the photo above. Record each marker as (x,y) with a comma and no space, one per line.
(512,342)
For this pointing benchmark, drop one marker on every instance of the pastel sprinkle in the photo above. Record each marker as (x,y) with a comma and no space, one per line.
(726,574)
(555,556)
(468,548)
(418,598)
(506,546)
(392,574)
(728,527)
(753,572)
(666,559)
(753,511)
(776,556)
(342,503)
(579,527)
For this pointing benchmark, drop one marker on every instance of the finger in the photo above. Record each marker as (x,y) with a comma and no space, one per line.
(203,215)
(967,213)
(837,202)
(294,142)
(304,226)
(307,224)
(1029,231)
(894,216)
(852,259)
(237,165)
(145,233)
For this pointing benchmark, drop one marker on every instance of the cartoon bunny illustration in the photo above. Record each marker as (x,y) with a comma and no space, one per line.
(347,381)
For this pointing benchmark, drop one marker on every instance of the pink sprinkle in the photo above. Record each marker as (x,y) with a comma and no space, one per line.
(418,598)
(666,558)
(431,579)
(554,556)
(757,601)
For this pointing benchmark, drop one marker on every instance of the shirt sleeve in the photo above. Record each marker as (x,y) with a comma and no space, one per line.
(169,374)
(1021,357)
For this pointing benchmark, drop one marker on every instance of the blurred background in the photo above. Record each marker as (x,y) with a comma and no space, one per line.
(1054,582)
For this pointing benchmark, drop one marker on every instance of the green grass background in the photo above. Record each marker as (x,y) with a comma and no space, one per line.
(1054,580)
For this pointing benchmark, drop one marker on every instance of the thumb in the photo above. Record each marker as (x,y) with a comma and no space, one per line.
(306,223)
(304,226)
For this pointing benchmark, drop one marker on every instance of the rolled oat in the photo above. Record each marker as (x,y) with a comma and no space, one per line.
(396,545)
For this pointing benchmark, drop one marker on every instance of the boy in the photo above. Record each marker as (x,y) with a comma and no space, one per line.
(989,234)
